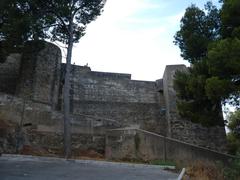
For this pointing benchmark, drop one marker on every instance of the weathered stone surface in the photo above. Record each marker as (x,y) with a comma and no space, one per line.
(137,144)
(8,136)
(40,73)
(9,73)
(31,88)
(115,96)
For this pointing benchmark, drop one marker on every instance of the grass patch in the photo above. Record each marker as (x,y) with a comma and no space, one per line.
(162,163)
(204,170)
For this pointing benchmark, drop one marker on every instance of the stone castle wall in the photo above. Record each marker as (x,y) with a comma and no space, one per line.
(99,100)
(9,73)
(115,96)
(40,73)
(138,144)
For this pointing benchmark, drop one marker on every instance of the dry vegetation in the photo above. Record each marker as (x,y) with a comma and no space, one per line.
(204,171)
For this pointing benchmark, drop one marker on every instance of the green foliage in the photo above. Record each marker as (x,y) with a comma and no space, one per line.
(233,143)
(64,14)
(209,40)
(224,66)
(230,16)
(224,57)
(197,29)
(233,137)
(234,124)
(24,20)
(218,88)
(194,103)
(20,21)
(233,171)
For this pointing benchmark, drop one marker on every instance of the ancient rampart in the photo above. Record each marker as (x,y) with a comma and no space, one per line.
(31,86)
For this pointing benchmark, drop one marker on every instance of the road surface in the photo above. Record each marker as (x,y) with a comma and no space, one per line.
(14,167)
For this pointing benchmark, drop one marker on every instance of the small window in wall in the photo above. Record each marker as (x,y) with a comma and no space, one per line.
(27,124)
(160,90)
(162,111)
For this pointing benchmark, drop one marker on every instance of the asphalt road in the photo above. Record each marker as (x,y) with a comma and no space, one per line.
(41,168)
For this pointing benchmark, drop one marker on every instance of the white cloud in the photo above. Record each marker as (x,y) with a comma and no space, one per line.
(112,44)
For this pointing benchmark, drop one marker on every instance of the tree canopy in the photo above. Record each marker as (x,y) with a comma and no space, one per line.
(16,25)
(197,29)
(210,40)
(24,20)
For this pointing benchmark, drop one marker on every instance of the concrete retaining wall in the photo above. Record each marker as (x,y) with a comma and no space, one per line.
(137,144)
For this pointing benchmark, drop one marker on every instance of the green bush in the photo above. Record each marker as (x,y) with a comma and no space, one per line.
(233,171)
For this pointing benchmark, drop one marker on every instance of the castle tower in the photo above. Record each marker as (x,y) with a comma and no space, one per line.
(40,73)
(185,130)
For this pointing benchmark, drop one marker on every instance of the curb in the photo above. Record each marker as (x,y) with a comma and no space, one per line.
(181,174)
(96,162)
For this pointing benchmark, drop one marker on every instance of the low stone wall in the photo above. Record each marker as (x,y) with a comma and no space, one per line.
(37,126)
(142,145)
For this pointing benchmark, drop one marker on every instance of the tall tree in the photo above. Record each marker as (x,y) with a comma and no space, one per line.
(230,16)
(209,40)
(224,56)
(18,24)
(197,30)
(21,21)
(234,134)
(71,18)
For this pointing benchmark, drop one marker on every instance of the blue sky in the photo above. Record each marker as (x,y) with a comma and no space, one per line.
(134,36)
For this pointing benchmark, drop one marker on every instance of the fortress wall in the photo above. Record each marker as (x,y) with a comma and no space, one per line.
(47,78)
(116,96)
(27,72)
(95,87)
(40,73)
(9,72)
(143,115)
(138,144)
(184,130)
(103,96)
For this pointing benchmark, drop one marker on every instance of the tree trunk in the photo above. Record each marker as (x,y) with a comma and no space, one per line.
(19,129)
(67,120)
